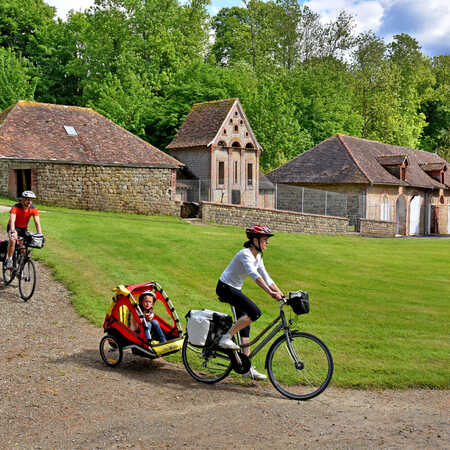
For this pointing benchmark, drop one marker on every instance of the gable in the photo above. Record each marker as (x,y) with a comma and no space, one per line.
(40,131)
(219,122)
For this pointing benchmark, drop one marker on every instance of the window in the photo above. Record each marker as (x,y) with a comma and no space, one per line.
(236,172)
(221,173)
(70,130)
(249,174)
(386,209)
(236,128)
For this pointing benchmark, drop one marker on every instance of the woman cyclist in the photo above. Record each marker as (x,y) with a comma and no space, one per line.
(247,262)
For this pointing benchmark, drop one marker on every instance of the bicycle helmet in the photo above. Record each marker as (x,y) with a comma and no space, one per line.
(258,231)
(151,293)
(28,194)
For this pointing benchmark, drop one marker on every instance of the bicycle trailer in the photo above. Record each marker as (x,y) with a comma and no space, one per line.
(121,334)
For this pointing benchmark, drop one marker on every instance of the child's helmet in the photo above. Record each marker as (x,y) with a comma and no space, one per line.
(145,293)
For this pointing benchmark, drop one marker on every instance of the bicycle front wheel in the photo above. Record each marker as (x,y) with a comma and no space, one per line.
(8,275)
(27,280)
(209,369)
(307,377)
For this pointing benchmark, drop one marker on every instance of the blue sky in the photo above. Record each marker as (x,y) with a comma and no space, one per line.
(427,21)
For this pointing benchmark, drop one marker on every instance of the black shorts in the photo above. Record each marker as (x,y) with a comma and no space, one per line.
(21,232)
(242,304)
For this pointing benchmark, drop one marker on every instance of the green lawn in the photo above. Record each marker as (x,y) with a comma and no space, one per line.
(381,305)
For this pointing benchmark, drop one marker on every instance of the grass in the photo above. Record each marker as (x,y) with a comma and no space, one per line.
(381,305)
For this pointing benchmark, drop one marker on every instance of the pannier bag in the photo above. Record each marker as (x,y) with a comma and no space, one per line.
(3,249)
(205,327)
(299,302)
(34,240)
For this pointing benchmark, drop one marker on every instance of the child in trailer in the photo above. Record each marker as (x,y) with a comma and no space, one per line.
(146,302)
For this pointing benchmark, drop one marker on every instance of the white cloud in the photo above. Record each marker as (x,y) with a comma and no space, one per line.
(428,22)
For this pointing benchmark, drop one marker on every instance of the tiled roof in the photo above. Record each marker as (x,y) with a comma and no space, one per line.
(202,124)
(265,183)
(30,130)
(346,159)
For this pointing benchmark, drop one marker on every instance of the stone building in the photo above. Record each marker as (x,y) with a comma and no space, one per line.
(217,146)
(75,157)
(384,182)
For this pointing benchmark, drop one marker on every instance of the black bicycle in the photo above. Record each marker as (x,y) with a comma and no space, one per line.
(299,364)
(24,268)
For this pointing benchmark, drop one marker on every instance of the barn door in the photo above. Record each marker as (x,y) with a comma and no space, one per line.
(400,209)
(414,215)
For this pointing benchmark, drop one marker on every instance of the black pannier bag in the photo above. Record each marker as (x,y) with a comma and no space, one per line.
(299,302)
(3,249)
(34,240)
(205,327)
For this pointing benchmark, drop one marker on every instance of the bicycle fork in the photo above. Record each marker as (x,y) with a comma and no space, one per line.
(298,364)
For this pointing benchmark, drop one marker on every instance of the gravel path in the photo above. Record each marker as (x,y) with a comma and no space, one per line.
(56,393)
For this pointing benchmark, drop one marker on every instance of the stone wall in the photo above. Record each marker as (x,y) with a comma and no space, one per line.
(277,220)
(377,228)
(141,190)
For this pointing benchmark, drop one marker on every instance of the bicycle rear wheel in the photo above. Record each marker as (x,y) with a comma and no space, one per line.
(312,374)
(210,370)
(27,280)
(8,275)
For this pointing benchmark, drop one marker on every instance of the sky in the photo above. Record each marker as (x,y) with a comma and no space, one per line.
(427,21)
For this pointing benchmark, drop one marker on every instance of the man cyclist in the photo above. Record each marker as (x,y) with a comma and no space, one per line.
(247,262)
(19,216)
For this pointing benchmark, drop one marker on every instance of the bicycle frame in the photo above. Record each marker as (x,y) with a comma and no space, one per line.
(275,326)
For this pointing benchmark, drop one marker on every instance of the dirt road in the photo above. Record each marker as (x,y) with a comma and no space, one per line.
(57,393)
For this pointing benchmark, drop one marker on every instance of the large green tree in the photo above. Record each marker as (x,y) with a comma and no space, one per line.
(16,79)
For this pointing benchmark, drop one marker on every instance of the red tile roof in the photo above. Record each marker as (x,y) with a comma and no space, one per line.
(346,159)
(30,130)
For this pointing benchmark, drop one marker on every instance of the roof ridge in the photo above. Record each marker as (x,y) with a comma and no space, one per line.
(223,100)
(340,138)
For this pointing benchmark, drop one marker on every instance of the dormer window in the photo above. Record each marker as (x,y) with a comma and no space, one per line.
(435,170)
(70,130)
(395,164)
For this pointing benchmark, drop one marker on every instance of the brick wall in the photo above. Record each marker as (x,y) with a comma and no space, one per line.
(377,228)
(104,188)
(277,220)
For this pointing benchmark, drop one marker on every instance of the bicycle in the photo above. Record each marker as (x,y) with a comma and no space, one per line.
(299,364)
(23,265)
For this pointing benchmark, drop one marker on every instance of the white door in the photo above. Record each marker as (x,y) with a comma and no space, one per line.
(414,215)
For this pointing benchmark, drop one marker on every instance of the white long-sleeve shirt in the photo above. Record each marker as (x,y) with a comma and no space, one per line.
(244,264)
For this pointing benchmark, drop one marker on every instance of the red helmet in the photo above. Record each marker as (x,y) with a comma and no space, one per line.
(258,231)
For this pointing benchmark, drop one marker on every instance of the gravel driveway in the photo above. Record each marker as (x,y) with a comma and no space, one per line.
(57,393)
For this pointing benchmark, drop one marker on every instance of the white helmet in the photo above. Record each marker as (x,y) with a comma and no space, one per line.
(28,194)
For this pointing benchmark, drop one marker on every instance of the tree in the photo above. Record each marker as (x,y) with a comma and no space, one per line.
(436,135)
(20,21)
(415,87)
(16,81)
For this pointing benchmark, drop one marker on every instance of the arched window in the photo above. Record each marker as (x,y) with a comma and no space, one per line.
(235,144)
(222,144)
(386,209)
(249,145)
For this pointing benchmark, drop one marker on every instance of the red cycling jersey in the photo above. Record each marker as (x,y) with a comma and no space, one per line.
(22,215)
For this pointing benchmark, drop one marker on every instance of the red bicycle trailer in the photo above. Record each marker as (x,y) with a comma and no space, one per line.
(120,334)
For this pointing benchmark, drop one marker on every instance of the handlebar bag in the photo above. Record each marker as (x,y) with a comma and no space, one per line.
(299,302)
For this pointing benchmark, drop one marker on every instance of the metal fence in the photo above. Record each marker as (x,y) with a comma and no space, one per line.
(285,197)
(311,201)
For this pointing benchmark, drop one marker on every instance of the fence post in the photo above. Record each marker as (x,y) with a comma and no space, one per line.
(326,198)
(303,197)
(276,195)
(199,190)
